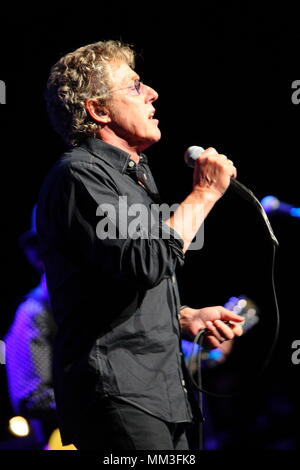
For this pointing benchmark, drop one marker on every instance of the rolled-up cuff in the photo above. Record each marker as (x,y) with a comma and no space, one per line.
(174,241)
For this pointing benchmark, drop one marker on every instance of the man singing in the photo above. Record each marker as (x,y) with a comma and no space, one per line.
(120,382)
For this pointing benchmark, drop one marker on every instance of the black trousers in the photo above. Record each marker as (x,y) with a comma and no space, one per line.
(116,425)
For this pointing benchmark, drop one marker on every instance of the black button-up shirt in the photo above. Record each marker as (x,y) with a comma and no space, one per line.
(115,299)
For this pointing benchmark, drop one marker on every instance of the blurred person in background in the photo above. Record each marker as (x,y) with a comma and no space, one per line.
(29,342)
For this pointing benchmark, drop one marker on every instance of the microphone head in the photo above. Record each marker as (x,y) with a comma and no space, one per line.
(192,154)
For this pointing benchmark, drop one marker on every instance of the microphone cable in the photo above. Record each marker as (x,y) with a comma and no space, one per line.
(199,338)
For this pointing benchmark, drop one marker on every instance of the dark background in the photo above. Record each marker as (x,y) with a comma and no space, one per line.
(224,77)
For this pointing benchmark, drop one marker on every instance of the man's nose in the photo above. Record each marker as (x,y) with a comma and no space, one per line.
(151,94)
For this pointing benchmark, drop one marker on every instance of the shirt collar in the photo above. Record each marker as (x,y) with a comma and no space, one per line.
(113,156)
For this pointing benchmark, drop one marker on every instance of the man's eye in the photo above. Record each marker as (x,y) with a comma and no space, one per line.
(137,85)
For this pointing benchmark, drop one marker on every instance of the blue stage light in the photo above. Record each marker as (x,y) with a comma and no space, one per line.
(272,204)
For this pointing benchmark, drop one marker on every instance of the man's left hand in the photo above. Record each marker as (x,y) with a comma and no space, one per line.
(222,324)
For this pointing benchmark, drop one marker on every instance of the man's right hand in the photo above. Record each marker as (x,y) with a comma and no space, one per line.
(212,173)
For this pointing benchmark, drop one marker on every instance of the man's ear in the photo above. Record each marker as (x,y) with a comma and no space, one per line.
(97,111)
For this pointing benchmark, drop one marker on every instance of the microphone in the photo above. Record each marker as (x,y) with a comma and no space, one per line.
(272,204)
(194,152)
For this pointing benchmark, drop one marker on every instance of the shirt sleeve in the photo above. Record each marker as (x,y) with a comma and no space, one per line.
(124,251)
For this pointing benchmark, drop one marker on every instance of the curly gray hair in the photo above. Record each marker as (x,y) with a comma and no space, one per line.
(76,77)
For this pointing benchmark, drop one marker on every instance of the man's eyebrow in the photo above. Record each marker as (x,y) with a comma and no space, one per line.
(134,77)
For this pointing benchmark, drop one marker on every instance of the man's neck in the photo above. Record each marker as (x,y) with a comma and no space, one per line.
(121,144)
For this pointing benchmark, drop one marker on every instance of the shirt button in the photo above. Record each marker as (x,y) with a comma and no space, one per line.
(183,382)
(173,279)
(131,164)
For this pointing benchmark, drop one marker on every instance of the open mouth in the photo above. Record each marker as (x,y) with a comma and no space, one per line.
(152,114)
(151,117)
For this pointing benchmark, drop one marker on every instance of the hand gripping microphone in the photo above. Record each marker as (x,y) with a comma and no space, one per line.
(193,153)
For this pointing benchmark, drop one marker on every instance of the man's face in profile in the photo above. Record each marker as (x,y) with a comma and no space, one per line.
(131,108)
